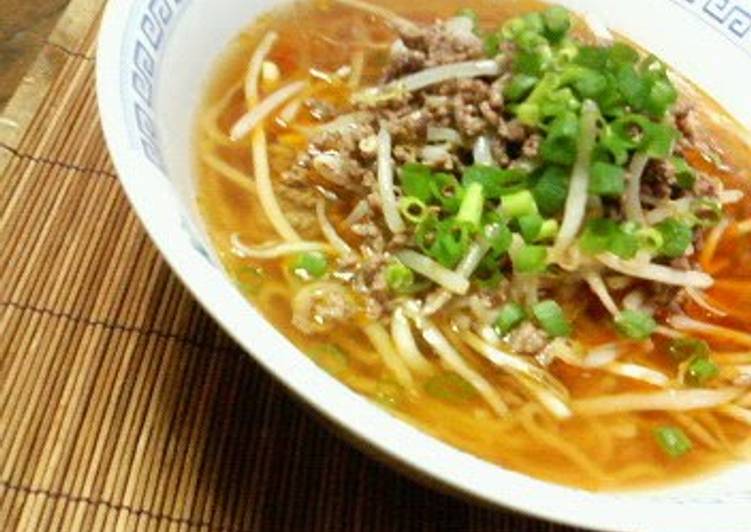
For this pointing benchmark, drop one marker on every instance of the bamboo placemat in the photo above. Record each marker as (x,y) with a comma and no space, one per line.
(122,405)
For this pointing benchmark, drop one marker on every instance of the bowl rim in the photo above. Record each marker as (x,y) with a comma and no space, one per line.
(565,505)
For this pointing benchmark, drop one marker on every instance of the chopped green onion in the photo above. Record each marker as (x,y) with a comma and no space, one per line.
(589,83)
(685,176)
(635,324)
(413,209)
(530,226)
(399,278)
(416,180)
(557,22)
(519,204)
(604,234)
(530,259)
(519,87)
(447,191)
(470,210)
(551,318)
(529,63)
(494,180)
(452,240)
(530,41)
(491,43)
(662,95)
(312,265)
(534,22)
(548,231)
(513,27)
(650,239)
(551,190)
(659,140)
(673,441)
(706,212)
(632,86)
(499,240)
(607,180)
(677,237)
(622,54)
(597,235)
(510,317)
(594,57)
(701,370)
(488,274)
(560,145)
(624,244)
(684,348)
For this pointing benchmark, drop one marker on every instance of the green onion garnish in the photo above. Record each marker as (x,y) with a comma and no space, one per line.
(530,259)
(706,212)
(519,204)
(495,181)
(607,180)
(684,348)
(673,441)
(551,190)
(416,180)
(548,231)
(447,191)
(557,22)
(677,237)
(530,226)
(510,317)
(312,265)
(560,145)
(551,318)
(701,370)
(685,176)
(399,278)
(413,209)
(519,87)
(635,324)
(470,210)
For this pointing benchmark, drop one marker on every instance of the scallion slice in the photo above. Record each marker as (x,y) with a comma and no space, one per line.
(673,441)
(551,318)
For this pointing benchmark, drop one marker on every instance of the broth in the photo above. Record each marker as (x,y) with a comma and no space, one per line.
(614,451)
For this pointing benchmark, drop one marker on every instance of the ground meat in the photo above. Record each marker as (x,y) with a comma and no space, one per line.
(531,146)
(468,118)
(404,61)
(513,131)
(444,43)
(411,127)
(687,123)
(659,179)
(320,110)
(707,186)
(527,339)
(318,307)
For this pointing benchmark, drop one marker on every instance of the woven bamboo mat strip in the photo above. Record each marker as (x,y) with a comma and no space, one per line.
(122,405)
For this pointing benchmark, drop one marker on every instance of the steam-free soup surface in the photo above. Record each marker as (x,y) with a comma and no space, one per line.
(338,51)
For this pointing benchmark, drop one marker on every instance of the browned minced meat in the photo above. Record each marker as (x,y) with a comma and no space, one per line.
(527,339)
(436,45)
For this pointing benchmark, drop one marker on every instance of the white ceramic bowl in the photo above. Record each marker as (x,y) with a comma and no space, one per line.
(154,58)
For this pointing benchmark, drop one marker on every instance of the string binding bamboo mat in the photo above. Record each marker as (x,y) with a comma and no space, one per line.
(122,405)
